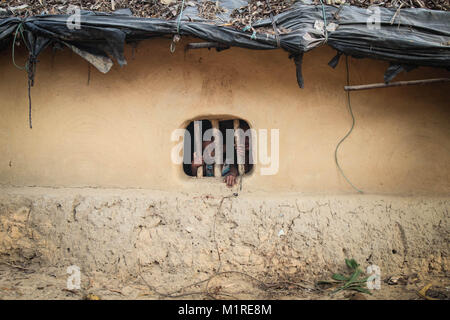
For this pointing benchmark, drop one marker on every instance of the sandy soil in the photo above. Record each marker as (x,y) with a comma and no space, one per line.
(17,282)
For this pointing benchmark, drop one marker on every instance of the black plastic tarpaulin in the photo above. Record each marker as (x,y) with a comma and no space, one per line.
(408,38)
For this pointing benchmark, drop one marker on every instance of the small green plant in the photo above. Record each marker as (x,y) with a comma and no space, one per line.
(352,282)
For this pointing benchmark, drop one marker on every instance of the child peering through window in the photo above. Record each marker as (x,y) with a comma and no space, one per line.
(228,170)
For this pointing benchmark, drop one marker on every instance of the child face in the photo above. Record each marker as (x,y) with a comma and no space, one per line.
(207,143)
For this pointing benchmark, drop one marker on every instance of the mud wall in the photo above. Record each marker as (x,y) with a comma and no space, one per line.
(176,239)
(113,130)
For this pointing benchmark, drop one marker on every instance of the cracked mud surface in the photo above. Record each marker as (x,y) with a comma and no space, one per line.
(132,243)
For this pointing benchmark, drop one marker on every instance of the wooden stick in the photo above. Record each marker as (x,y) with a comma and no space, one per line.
(202,45)
(218,154)
(396,14)
(237,137)
(198,148)
(394,84)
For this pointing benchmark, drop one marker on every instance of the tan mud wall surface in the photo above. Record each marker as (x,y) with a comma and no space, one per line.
(175,239)
(115,132)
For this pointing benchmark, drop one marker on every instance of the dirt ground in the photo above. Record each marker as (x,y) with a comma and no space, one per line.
(17,283)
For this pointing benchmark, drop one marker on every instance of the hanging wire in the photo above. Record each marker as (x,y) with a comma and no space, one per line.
(348,133)
(19,29)
(179,17)
(324,21)
(176,37)
(29,67)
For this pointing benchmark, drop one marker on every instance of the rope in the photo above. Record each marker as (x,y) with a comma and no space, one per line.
(29,66)
(29,104)
(324,21)
(274,25)
(176,37)
(31,70)
(179,17)
(248,27)
(348,133)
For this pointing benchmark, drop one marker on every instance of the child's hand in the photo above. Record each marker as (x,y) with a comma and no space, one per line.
(230,180)
(198,161)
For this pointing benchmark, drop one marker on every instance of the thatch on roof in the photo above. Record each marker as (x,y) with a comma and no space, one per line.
(169,9)
(406,37)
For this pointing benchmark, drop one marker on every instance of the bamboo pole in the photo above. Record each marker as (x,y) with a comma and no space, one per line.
(198,148)
(394,84)
(239,146)
(205,45)
(218,154)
